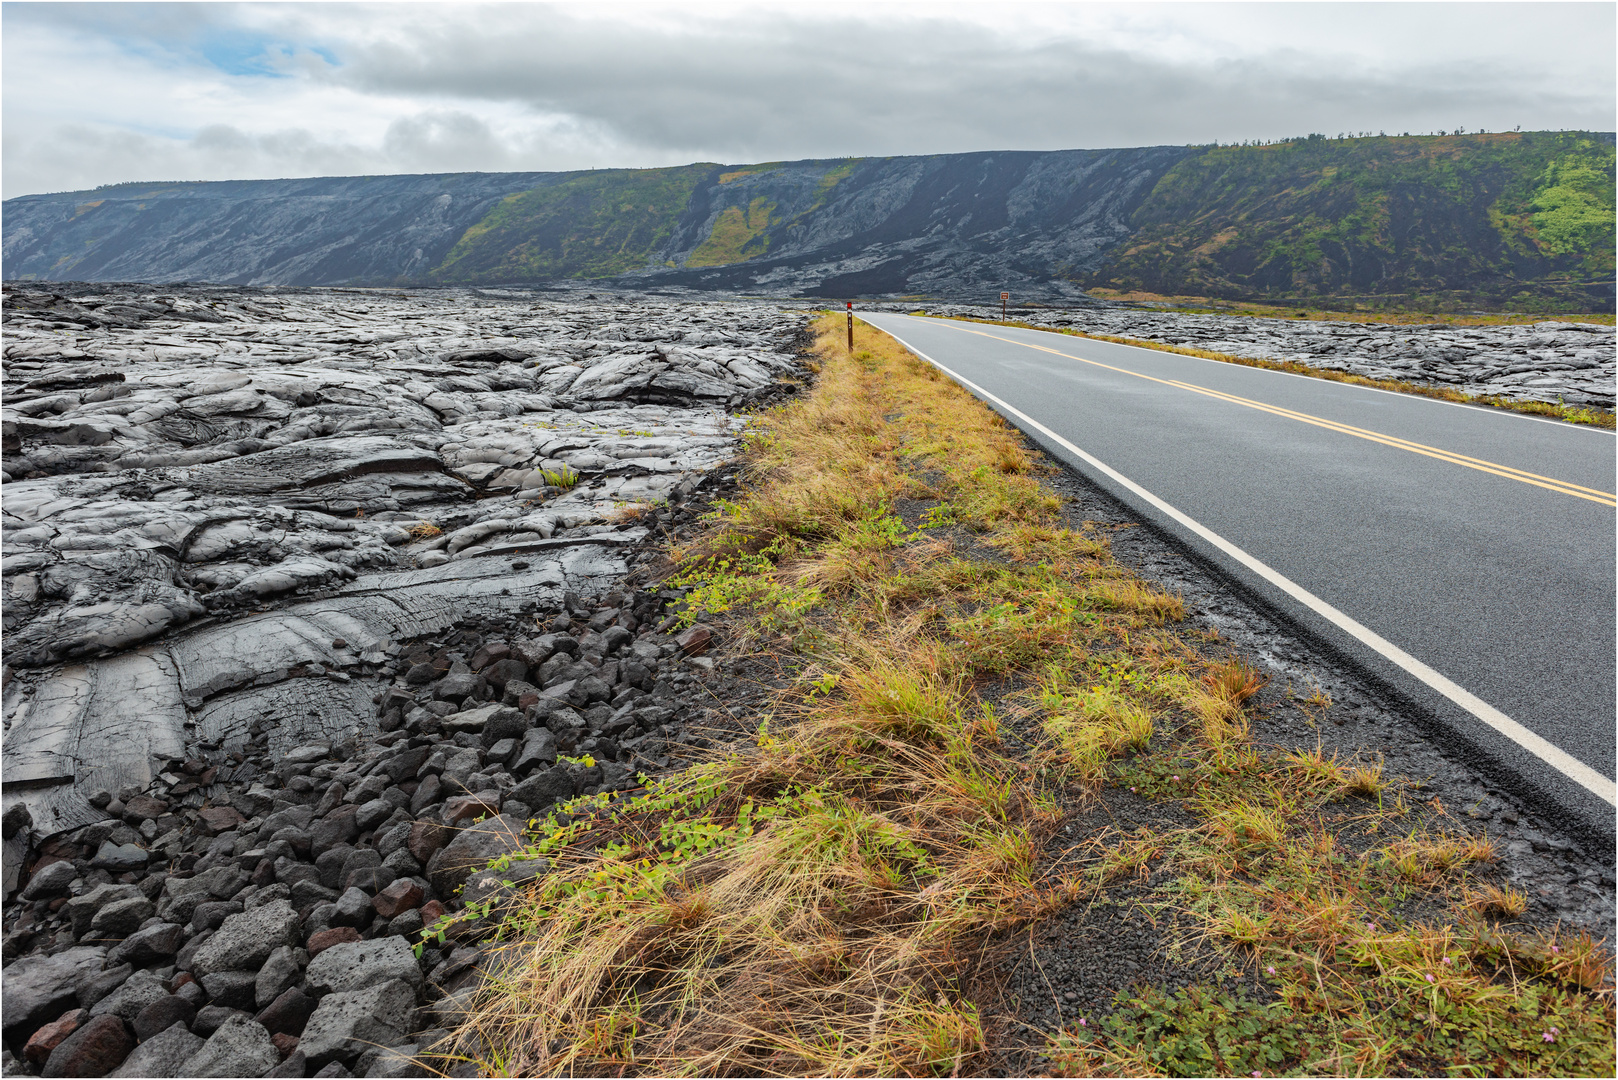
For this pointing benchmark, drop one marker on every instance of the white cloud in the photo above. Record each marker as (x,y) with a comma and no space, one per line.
(427,141)
(106,93)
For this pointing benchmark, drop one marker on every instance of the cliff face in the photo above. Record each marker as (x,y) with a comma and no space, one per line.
(1519,220)
(319,231)
(949,225)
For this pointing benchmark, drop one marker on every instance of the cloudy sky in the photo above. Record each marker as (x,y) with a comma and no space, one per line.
(103,93)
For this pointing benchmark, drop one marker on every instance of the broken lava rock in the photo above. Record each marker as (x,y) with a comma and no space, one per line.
(268,815)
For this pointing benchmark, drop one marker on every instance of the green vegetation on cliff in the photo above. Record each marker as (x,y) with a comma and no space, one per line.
(737,235)
(592,225)
(1573,208)
(1521,220)
(612,222)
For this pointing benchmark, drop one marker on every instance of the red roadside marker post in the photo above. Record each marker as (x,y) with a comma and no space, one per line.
(1003,298)
(851,327)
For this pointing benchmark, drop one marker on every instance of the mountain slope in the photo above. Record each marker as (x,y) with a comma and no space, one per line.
(954,225)
(945,225)
(1516,220)
(598,224)
(1498,220)
(263,232)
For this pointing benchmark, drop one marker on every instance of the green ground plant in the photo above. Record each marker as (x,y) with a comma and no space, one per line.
(1370,927)
(565,478)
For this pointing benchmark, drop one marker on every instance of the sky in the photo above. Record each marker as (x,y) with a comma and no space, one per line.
(106,93)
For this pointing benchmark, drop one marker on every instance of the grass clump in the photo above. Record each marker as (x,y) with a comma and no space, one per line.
(564,479)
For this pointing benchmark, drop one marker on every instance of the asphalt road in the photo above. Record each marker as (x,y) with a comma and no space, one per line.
(1466,556)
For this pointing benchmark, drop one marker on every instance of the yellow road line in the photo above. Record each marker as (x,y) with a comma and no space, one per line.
(1506,471)
(1578,491)
(1394,438)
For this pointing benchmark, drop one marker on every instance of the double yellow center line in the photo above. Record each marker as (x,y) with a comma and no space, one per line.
(1605,498)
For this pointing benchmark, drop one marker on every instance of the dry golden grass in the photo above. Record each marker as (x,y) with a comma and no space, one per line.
(1233,681)
(820,937)
(815,902)
(1497,900)
(1364,781)
(1352,987)
(808,906)
(1310,312)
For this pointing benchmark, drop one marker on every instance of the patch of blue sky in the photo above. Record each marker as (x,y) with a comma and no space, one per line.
(242,52)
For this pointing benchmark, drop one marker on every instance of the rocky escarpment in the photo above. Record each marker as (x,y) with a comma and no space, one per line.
(954,225)
(318,231)
(1513,220)
(1509,220)
(313,600)
(1575,363)
(963,225)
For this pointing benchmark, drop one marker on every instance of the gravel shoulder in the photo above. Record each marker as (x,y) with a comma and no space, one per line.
(1077,964)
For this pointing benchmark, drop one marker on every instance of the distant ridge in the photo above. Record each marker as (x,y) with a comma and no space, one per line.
(1521,220)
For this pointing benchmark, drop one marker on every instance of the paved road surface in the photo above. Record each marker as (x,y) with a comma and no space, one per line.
(1464,555)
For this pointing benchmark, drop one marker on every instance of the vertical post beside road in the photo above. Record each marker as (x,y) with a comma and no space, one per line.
(1003,298)
(851,327)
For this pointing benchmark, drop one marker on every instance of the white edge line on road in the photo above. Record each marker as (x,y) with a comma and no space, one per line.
(1486,409)
(1554,756)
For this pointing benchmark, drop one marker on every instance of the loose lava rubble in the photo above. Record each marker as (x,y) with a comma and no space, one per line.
(313,600)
